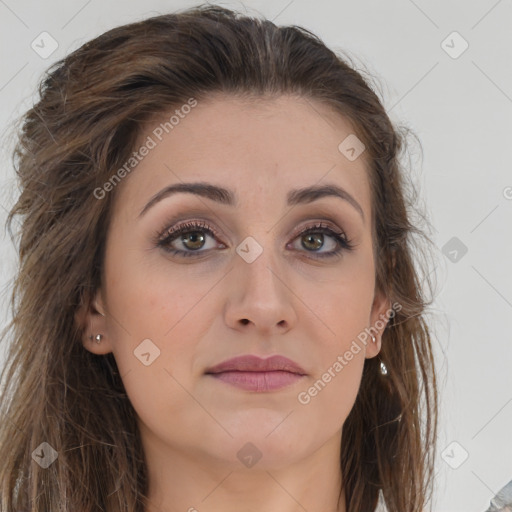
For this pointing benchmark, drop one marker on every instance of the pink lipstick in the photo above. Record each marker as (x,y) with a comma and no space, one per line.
(252,373)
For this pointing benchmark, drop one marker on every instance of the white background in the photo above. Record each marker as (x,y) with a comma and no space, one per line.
(461,109)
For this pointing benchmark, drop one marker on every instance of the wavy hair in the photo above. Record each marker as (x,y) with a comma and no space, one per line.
(91,107)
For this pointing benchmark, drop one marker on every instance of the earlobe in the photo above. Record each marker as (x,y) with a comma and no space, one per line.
(96,343)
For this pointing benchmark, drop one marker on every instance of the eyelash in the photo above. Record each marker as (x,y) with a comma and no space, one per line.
(169,235)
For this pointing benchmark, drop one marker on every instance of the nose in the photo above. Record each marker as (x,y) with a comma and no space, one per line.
(260,298)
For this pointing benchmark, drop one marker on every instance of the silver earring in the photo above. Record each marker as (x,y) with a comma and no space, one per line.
(97,338)
(374,339)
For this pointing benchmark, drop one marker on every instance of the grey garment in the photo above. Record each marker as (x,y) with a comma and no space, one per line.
(502,502)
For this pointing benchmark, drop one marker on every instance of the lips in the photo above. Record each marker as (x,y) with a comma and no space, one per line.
(251,373)
(256,364)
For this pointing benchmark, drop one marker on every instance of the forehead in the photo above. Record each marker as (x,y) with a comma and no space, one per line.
(251,145)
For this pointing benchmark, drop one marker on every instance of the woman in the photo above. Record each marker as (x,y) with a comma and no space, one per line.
(217,306)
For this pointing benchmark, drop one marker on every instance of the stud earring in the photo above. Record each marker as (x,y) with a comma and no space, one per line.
(374,339)
(97,337)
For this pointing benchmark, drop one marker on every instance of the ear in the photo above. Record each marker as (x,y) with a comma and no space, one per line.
(91,318)
(379,317)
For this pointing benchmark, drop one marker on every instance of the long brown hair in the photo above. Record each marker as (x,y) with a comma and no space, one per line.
(92,106)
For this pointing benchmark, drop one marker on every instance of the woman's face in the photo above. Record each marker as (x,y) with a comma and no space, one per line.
(253,285)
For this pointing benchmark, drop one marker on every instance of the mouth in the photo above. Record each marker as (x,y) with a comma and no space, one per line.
(252,373)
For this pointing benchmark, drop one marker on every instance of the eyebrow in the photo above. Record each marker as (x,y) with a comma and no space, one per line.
(227,197)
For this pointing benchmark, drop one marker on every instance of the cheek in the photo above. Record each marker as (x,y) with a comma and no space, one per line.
(340,309)
(150,300)
(169,310)
(145,310)
(342,313)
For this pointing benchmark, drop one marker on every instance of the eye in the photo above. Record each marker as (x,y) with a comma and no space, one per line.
(193,236)
(313,238)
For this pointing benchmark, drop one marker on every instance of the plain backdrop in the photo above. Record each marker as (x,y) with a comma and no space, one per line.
(444,70)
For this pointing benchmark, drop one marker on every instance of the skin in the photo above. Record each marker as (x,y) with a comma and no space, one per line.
(193,309)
